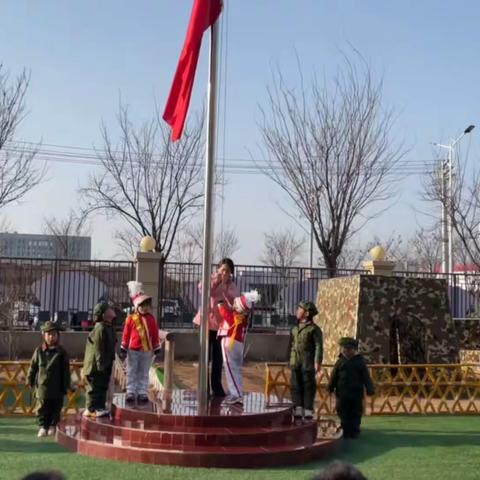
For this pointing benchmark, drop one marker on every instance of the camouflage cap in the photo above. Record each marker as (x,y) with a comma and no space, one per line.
(348,342)
(99,309)
(50,327)
(309,307)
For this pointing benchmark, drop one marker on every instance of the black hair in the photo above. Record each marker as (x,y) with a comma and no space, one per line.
(44,476)
(340,471)
(148,301)
(229,263)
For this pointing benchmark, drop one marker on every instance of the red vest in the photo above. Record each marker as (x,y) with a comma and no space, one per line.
(141,333)
(234,325)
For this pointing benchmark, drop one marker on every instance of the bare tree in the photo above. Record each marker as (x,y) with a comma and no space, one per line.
(352,256)
(153,184)
(63,229)
(17,172)
(128,242)
(463,207)
(5,225)
(226,243)
(330,150)
(426,249)
(282,249)
(189,246)
(186,249)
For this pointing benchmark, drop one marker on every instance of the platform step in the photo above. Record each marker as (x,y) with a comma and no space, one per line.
(203,456)
(185,414)
(249,436)
(133,434)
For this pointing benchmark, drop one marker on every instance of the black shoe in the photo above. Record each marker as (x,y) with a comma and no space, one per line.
(130,398)
(142,398)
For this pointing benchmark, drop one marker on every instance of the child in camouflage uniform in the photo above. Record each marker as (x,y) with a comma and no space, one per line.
(349,379)
(306,354)
(98,360)
(49,375)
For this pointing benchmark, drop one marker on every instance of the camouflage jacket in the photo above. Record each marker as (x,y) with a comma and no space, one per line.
(306,346)
(350,377)
(100,349)
(49,372)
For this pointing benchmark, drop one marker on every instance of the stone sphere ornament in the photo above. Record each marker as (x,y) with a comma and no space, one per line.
(147,244)
(377,253)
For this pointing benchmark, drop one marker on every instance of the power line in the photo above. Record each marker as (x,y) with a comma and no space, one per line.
(229,165)
(97,152)
(97,161)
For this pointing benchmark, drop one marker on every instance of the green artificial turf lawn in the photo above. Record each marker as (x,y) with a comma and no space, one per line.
(428,447)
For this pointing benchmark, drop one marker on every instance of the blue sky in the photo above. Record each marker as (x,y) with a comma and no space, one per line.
(84,55)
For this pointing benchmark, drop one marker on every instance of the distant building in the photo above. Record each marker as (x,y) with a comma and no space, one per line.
(29,245)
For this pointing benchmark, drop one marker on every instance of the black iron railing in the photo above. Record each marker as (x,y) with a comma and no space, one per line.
(35,290)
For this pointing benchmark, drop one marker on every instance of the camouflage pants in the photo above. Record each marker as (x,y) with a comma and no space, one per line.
(96,388)
(303,387)
(350,410)
(48,412)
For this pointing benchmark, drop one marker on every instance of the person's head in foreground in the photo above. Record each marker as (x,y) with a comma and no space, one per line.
(44,476)
(340,471)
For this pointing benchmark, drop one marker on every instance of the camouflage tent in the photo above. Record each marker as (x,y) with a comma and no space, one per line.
(396,319)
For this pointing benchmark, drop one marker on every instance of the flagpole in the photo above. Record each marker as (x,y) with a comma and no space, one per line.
(202,392)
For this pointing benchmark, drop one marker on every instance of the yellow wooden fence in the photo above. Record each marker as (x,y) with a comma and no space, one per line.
(16,397)
(399,389)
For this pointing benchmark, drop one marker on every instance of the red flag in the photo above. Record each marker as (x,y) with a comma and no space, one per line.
(204,15)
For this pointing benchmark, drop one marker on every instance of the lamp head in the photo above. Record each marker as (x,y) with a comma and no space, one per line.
(147,244)
(377,253)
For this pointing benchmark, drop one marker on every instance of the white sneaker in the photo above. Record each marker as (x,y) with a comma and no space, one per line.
(42,432)
(52,431)
(234,400)
(298,412)
(308,414)
(102,413)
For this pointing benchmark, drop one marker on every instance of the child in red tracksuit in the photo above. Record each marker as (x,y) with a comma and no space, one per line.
(232,333)
(140,342)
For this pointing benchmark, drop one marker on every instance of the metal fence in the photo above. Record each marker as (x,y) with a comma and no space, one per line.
(35,290)
(282,288)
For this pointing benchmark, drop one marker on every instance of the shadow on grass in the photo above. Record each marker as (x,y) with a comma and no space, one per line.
(374,443)
(23,446)
(21,437)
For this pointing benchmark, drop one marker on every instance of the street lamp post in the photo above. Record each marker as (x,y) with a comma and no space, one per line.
(447,204)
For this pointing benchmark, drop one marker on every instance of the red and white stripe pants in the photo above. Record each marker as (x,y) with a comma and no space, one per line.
(233,362)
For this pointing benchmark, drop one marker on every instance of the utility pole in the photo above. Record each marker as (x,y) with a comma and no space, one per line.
(444,220)
(448,203)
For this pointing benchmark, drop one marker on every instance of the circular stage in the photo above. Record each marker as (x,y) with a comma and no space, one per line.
(249,436)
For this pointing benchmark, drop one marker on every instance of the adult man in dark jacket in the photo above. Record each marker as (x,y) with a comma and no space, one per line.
(349,380)
(98,360)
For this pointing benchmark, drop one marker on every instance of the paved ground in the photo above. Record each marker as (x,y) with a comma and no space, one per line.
(186,374)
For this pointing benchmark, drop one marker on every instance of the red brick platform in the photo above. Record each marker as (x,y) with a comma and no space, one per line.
(252,436)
